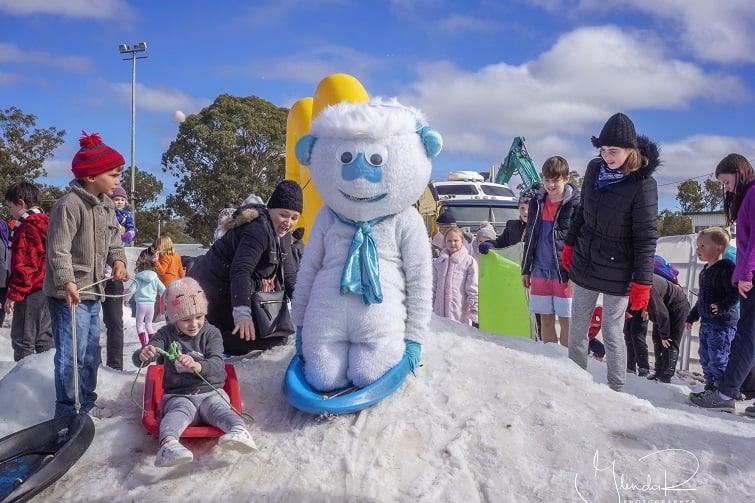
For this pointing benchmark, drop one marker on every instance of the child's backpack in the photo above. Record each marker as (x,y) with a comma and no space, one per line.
(666,270)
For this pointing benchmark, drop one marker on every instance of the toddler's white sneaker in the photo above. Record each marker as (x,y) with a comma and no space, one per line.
(172,453)
(238,439)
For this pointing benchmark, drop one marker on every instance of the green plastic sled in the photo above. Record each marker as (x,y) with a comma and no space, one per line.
(502,300)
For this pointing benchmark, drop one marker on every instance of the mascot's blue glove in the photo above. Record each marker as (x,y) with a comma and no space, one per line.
(413,352)
(485,247)
(298,340)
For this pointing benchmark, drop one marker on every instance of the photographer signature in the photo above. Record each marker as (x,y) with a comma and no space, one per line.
(621,484)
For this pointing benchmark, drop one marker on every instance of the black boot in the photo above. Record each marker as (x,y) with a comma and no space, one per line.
(670,358)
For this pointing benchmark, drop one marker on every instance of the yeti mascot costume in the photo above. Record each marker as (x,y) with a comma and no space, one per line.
(364,289)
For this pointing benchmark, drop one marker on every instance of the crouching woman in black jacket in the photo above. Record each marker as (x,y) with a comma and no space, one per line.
(250,256)
(611,242)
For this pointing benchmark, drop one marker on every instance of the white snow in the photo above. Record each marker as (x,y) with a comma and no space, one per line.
(487,418)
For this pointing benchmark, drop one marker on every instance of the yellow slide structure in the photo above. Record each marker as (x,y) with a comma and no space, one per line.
(332,89)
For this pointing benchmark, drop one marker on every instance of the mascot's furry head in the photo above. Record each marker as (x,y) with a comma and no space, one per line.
(369,160)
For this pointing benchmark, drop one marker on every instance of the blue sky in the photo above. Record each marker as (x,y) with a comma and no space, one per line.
(482,71)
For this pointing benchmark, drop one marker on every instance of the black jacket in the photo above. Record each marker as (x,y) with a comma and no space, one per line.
(667,308)
(512,233)
(234,266)
(716,288)
(615,231)
(561,224)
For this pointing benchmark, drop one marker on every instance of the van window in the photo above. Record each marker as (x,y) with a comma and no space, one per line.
(462,189)
(479,213)
(496,190)
(505,214)
(470,213)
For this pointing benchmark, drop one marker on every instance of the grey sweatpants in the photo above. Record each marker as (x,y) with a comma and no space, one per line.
(583,304)
(31,328)
(182,411)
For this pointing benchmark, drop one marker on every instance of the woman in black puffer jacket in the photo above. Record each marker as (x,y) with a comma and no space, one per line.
(254,254)
(611,243)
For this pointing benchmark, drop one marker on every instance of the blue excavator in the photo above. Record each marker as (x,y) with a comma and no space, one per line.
(518,162)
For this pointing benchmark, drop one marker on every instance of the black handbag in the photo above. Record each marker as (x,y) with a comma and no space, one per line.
(270,313)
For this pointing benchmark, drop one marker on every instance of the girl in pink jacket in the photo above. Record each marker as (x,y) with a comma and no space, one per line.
(455,280)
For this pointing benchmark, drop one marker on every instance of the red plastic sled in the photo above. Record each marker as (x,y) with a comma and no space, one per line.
(153,394)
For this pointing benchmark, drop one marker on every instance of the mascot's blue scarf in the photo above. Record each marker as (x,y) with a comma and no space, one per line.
(361,272)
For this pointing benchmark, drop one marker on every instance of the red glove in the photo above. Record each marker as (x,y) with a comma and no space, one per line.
(639,296)
(566,256)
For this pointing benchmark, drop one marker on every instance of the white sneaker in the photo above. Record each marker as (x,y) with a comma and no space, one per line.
(238,439)
(172,453)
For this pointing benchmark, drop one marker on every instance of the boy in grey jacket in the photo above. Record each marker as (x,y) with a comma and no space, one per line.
(194,378)
(82,238)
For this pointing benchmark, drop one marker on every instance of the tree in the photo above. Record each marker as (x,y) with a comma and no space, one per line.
(158,221)
(576,179)
(233,148)
(673,223)
(147,188)
(690,196)
(50,195)
(24,147)
(713,196)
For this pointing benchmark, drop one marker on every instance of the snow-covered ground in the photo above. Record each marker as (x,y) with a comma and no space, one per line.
(487,418)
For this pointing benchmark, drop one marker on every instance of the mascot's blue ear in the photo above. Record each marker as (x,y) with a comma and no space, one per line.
(431,139)
(303,149)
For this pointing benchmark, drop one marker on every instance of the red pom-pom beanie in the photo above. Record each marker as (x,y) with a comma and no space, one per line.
(94,157)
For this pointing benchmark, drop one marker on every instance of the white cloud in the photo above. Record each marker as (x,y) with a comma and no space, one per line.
(458,23)
(88,9)
(713,31)
(587,75)
(9,78)
(311,65)
(10,53)
(696,156)
(159,99)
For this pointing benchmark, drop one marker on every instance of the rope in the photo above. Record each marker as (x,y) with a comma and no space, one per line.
(76,401)
(171,355)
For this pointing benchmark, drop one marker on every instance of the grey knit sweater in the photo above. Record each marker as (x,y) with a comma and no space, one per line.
(82,237)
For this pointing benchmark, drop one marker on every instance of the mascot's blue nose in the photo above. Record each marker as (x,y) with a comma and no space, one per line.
(360,168)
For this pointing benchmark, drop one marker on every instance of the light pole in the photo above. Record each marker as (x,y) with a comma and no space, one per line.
(133,49)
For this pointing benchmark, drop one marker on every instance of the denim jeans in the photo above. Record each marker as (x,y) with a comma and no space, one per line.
(87,351)
(715,345)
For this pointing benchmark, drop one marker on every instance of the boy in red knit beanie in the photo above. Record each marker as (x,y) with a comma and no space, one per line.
(81,240)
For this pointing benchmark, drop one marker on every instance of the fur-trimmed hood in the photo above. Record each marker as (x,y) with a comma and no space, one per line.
(650,151)
(241,216)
